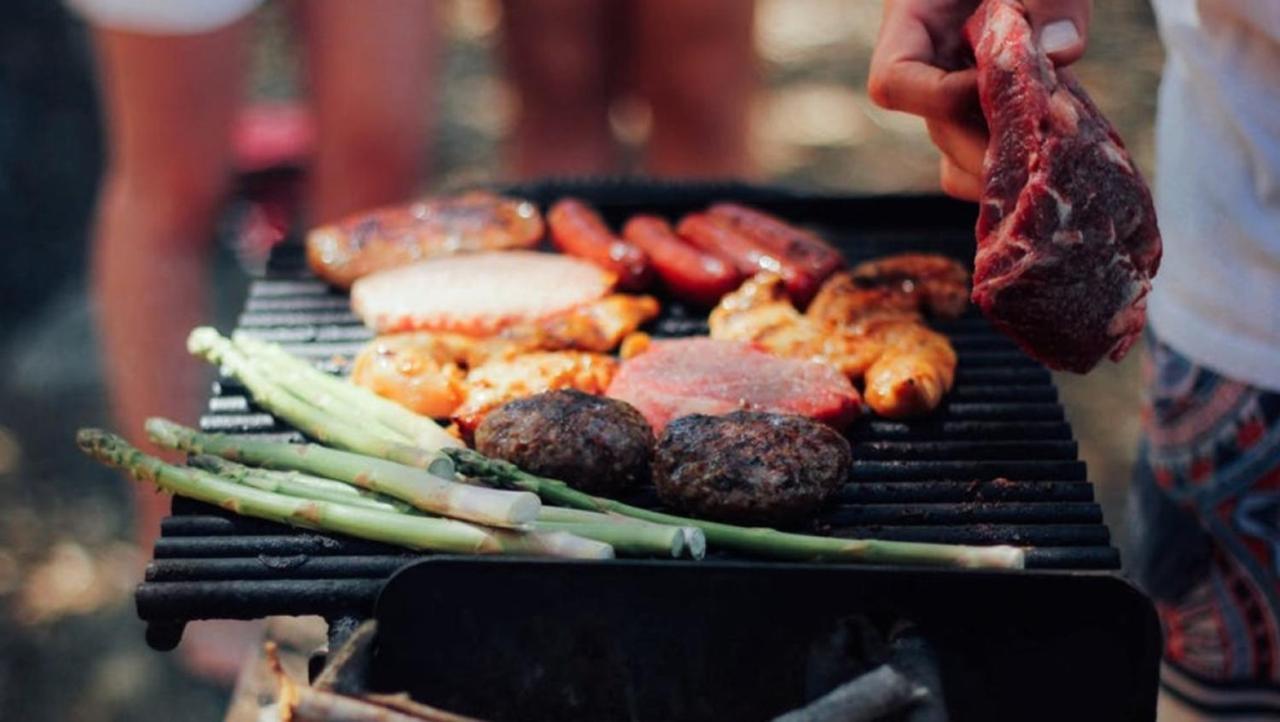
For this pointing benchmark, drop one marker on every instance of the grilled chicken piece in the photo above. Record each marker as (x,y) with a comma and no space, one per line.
(423,371)
(915,369)
(906,367)
(426,371)
(759,312)
(496,382)
(597,326)
(908,283)
(396,236)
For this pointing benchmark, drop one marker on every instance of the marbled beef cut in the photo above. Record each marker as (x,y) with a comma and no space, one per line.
(679,377)
(1067,236)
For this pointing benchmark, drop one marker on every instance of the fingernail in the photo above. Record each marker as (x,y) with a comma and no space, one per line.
(1059,35)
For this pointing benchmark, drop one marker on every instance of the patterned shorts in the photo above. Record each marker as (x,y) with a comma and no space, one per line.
(1206,520)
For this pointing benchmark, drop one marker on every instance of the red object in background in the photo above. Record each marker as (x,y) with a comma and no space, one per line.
(271,144)
(577,230)
(689,273)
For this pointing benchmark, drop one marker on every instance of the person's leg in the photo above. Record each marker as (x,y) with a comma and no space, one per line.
(557,59)
(371,71)
(1205,527)
(169,103)
(695,64)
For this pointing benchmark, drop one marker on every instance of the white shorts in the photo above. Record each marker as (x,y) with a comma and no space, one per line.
(163,17)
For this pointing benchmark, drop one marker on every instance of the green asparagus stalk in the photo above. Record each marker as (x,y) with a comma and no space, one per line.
(626,536)
(293,483)
(419,430)
(751,540)
(322,425)
(413,531)
(417,487)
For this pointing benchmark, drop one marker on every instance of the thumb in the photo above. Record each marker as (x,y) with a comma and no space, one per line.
(1060,27)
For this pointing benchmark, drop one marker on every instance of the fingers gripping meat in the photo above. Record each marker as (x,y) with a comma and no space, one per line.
(688,273)
(579,231)
(361,244)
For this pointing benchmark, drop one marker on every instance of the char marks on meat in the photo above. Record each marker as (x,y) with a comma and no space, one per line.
(1067,235)
(679,377)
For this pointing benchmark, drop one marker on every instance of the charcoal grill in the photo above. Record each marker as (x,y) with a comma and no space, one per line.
(997,464)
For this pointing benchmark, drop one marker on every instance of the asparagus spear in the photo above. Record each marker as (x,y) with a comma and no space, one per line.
(752,540)
(418,429)
(366,437)
(627,536)
(419,488)
(415,532)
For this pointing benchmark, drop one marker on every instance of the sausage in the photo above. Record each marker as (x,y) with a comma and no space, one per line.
(747,254)
(690,274)
(810,258)
(577,230)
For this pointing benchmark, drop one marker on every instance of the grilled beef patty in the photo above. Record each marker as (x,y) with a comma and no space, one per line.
(749,467)
(592,443)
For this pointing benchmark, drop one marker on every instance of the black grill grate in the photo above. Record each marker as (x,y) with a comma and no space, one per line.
(996,465)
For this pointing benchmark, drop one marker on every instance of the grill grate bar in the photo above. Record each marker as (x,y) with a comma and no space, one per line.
(964,450)
(1002,512)
(299,567)
(1017,534)
(965,470)
(901,492)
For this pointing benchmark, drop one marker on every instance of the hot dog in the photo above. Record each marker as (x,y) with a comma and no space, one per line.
(809,258)
(577,230)
(689,273)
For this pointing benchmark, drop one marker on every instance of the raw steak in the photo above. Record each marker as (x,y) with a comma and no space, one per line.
(704,376)
(476,293)
(1067,236)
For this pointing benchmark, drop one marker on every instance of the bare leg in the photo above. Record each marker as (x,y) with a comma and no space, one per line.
(372,68)
(556,57)
(696,66)
(169,105)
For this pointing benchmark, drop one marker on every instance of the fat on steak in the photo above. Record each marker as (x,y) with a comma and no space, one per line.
(1067,235)
(476,293)
(678,377)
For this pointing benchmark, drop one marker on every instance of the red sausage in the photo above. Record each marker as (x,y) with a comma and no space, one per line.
(810,258)
(720,239)
(577,230)
(689,273)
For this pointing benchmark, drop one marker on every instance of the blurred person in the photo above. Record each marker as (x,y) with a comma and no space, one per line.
(1205,506)
(171,79)
(570,61)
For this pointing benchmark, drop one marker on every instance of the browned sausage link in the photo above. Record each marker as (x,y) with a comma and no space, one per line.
(689,273)
(810,258)
(577,230)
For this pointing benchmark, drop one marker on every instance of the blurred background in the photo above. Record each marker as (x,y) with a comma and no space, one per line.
(70,646)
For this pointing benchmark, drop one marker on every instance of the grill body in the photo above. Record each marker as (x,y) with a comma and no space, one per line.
(996,465)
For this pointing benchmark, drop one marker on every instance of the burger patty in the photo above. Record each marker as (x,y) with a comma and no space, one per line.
(595,444)
(749,467)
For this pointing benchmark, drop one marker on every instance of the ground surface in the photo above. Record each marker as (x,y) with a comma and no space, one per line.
(70,647)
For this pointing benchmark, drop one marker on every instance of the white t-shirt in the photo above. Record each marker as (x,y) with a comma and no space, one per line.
(1216,298)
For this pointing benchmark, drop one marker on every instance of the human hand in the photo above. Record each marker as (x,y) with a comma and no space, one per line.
(921,65)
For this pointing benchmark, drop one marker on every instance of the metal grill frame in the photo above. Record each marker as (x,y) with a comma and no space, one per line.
(997,464)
